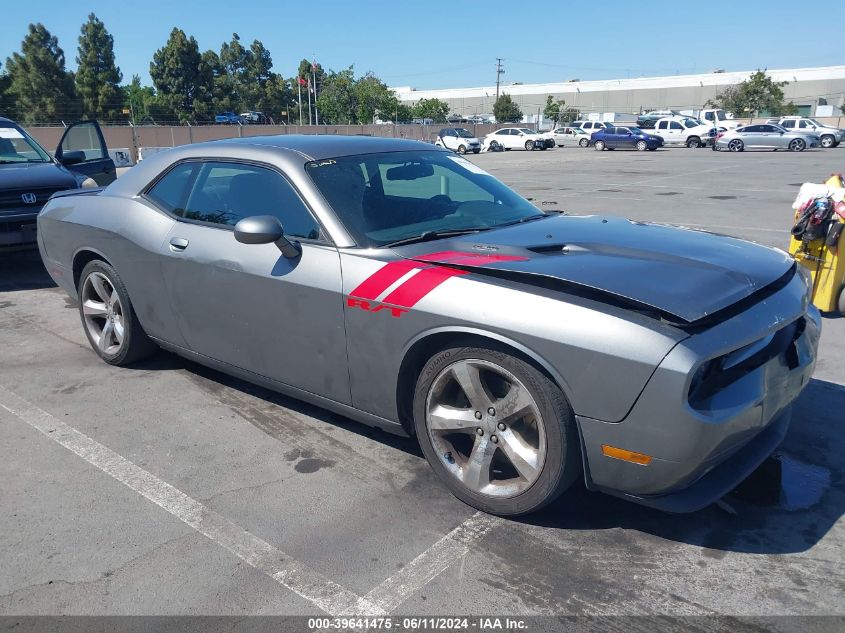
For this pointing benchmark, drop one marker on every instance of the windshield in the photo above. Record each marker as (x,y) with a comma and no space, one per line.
(691,122)
(636,130)
(463,133)
(16,146)
(816,123)
(721,116)
(526,130)
(387,197)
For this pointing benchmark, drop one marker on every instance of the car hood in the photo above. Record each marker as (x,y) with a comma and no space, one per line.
(684,274)
(35,176)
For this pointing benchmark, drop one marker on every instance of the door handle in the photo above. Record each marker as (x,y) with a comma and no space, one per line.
(178,244)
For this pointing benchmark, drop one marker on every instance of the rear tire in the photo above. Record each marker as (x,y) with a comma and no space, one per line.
(600,145)
(108,318)
(516,405)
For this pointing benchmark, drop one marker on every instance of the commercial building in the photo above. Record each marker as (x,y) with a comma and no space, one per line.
(816,91)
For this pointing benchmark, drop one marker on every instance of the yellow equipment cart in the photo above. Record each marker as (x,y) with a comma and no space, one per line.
(824,255)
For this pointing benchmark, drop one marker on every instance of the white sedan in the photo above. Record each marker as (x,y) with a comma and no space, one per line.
(568,136)
(514,138)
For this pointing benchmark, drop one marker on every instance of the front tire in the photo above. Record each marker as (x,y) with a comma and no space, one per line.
(108,318)
(529,145)
(641,146)
(496,430)
(693,142)
(462,149)
(599,145)
(797,145)
(736,145)
(584,142)
(827,141)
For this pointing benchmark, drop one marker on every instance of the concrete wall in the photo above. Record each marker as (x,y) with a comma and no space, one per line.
(149,139)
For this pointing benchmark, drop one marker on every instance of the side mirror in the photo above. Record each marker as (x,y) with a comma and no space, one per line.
(264,229)
(72,158)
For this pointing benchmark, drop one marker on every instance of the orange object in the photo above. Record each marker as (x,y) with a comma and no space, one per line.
(628,456)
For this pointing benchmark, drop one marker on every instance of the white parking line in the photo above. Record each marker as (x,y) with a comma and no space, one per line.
(306,583)
(431,563)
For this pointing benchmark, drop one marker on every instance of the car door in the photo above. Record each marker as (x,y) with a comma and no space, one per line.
(752,136)
(676,133)
(770,137)
(83,149)
(247,305)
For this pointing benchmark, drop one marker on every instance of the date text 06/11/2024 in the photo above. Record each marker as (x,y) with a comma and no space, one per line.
(419,623)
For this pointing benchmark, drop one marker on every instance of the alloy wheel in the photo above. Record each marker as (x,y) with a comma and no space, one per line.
(583,142)
(103,313)
(735,145)
(486,428)
(796,145)
(827,142)
(642,145)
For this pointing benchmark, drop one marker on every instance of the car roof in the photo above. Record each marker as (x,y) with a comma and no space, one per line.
(320,146)
(9,121)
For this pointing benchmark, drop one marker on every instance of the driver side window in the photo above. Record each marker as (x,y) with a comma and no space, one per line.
(224,193)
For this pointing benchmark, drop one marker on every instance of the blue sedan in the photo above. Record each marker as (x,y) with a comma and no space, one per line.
(625,137)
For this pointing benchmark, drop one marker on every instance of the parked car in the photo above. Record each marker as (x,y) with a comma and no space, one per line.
(29,175)
(683,131)
(568,136)
(458,140)
(625,137)
(647,120)
(765,136)
(402,286)
(253,117)
(590,126)
(829,136)
(228,118)
(515,138)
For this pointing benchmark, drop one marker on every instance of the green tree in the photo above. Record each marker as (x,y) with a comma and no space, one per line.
(184,82)
(5,103)
(506,110)
(433,109)
(552,109)
(142,103)
(97,77)
(373,98)
(757,95)
(38,83)
(567,115)
(337,101)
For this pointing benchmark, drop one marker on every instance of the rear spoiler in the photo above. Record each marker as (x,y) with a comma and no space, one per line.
(77,192)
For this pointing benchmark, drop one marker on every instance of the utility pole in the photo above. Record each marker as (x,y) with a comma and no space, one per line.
(499,70)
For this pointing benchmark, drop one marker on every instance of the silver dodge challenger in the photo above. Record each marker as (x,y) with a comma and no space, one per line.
(403,286)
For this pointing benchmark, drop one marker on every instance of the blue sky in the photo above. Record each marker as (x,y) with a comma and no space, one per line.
(455,43)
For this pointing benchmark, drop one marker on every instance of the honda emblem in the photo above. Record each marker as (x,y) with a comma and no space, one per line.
(28,198)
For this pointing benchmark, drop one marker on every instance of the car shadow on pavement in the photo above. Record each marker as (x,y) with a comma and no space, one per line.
(23,270)
(811,498)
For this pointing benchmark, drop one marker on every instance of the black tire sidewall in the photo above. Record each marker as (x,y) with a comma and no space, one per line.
(136,344)
(562,463)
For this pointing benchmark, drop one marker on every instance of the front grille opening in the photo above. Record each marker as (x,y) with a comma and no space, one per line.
(718,373)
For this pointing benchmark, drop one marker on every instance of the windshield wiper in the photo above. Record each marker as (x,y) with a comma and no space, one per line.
(428,236)
(528,218)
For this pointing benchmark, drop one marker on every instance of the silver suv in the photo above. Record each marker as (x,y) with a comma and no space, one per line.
(829,136)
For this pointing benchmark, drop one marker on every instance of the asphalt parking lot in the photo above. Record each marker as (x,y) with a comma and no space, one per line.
(169,488)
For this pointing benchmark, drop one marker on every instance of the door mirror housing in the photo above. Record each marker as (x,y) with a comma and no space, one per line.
(72,158)
(264,229)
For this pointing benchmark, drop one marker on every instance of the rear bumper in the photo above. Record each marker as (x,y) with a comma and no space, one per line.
(698,453)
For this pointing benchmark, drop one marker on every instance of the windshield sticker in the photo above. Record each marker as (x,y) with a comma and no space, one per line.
(322,163)
(468,165)
(10,132)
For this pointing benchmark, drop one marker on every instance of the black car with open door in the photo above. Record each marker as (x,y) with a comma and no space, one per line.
(29,175)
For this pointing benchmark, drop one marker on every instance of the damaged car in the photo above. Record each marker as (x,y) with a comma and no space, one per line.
(404,287)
